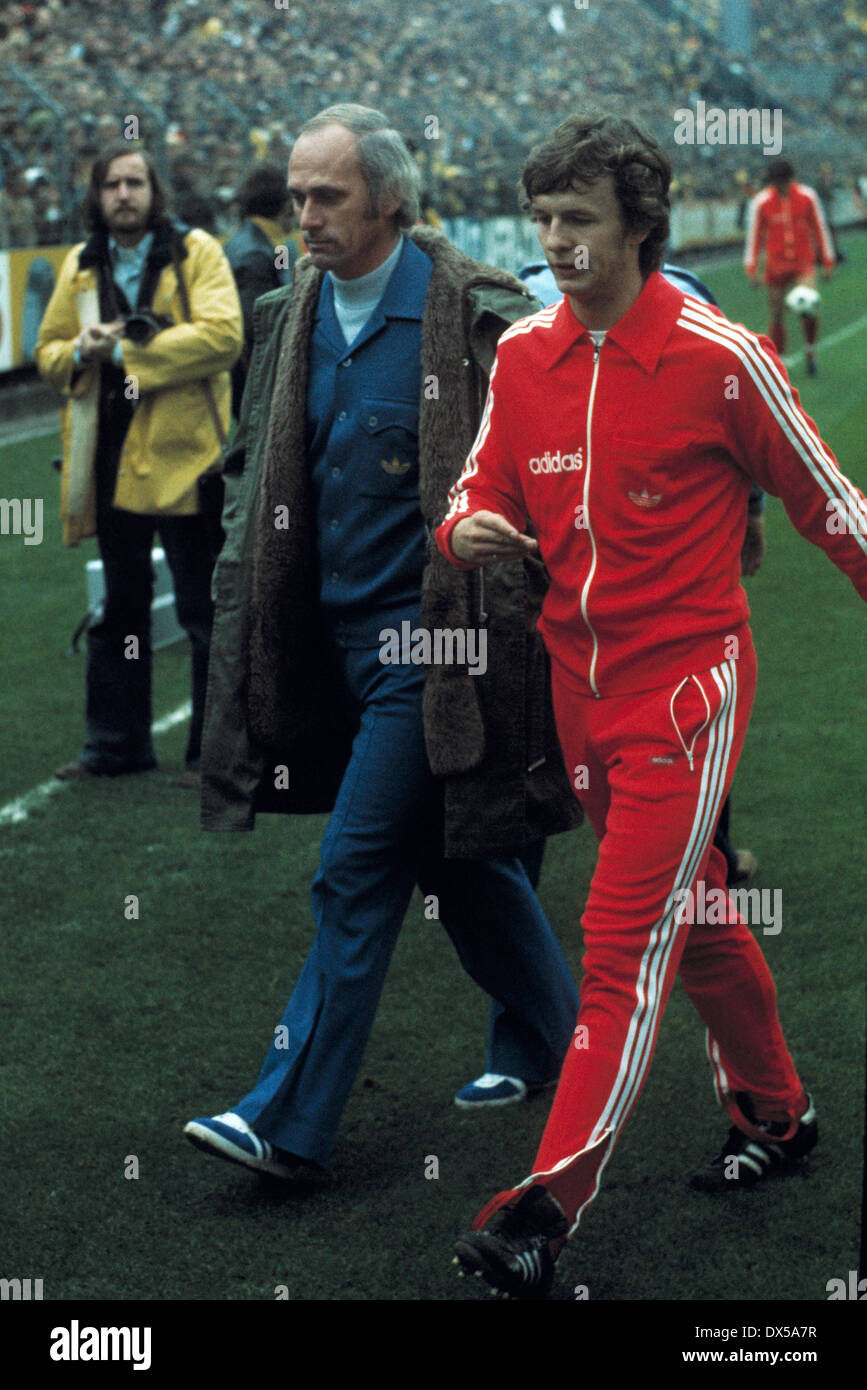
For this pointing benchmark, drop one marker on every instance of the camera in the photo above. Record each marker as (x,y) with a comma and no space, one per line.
(144,324)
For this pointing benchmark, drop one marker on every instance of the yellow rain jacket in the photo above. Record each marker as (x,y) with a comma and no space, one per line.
(172,438)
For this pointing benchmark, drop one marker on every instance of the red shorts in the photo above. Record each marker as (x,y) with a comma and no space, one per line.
(783,276)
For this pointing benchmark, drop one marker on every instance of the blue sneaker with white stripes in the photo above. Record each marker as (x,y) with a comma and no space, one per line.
(490,1089)
(229,1136)
(513,1251)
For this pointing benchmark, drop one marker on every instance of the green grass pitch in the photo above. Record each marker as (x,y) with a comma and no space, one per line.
(117,1031)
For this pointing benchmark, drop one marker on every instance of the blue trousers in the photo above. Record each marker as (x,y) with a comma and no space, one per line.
(383,838)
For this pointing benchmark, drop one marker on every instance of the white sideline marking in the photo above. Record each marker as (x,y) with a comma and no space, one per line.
(169,721)
(40,428)
(14,812)
(794,358)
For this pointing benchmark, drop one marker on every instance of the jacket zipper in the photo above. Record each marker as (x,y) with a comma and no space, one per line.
(589,580)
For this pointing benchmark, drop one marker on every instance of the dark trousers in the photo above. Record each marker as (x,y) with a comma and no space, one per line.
(118,704)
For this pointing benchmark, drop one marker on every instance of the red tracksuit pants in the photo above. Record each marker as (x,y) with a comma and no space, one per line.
(652,771)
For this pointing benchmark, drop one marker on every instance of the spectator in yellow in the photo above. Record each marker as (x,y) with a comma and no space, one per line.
(139,335)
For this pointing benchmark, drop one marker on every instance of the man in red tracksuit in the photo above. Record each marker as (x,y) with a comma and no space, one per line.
(787,222)
(627,422)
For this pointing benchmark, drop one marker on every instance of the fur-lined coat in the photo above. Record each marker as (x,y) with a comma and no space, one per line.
(278,729)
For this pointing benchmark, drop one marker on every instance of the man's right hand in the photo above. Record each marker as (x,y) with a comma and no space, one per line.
(486,538)
(96,344)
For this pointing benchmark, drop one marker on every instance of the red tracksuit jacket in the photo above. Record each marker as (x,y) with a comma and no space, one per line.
(791,229)
(634,464)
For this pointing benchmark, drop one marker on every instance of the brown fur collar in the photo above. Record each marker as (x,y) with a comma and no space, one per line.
(286,648)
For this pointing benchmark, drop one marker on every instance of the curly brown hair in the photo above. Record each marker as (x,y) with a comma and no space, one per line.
(591,144)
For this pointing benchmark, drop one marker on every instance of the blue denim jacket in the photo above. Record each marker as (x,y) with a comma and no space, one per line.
(362,424)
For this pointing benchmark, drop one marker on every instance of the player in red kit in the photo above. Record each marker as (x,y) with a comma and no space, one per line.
(787,222)
(627,422)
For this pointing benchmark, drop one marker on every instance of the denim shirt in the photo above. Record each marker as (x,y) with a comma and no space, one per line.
(362,443)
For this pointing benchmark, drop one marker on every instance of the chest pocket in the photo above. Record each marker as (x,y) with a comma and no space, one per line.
(646,481)
(388,463)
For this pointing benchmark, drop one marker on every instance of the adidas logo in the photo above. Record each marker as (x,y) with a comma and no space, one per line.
(394,468)
(645,499)
(527,1264)
(557,462)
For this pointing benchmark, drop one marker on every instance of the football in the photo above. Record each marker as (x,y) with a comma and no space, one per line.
(803,299)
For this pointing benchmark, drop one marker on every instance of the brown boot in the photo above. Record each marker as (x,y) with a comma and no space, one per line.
(75,772)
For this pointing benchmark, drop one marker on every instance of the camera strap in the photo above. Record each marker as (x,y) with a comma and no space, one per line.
(115,410)
(110,294)
(148,283)
(185,306)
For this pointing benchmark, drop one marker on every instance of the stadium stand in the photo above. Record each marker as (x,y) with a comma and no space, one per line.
(215,86)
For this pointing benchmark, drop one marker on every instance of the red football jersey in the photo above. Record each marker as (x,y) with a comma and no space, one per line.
(791,229)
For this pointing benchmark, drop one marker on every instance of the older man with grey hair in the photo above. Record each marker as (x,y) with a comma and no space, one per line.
(365,392)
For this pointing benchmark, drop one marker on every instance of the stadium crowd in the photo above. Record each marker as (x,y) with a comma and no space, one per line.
(201,78)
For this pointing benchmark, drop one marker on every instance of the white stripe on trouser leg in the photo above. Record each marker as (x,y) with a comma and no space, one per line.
(663,934)
(720,1080)
(642,1027)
